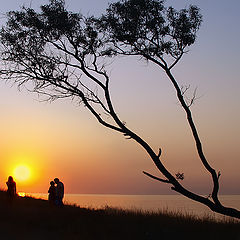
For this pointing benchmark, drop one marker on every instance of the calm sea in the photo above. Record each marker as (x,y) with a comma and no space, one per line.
(176,203)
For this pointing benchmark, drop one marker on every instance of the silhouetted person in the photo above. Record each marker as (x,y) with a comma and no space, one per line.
(59,192)
(11,191)
(52,193)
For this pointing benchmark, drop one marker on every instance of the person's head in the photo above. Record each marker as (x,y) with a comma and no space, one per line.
(56,180)
(10,179)
(52,183)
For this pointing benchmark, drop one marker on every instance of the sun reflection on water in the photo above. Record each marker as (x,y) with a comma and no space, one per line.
(21,194)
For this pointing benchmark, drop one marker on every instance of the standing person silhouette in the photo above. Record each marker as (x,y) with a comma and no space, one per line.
(11,191)
(59,192)
(52,194)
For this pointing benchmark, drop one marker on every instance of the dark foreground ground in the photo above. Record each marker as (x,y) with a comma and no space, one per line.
(28,218)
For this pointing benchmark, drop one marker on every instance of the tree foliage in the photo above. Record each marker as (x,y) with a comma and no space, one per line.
(147,28)
(63,55)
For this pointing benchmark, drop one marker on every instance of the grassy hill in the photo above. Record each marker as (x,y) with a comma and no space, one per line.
(30,218)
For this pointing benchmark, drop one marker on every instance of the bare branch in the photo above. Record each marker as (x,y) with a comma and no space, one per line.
(156,178)
(192,100)
(159,153)
(184,89)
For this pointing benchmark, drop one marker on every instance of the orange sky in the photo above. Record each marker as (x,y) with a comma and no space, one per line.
(63,140)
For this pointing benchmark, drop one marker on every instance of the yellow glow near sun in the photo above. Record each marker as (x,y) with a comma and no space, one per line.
(22,173)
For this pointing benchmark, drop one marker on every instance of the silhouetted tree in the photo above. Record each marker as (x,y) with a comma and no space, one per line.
(62,55)
(162,36)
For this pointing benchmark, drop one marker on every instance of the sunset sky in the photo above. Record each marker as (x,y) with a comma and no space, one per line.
(62,139)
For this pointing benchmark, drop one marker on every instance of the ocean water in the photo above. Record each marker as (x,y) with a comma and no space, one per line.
(176,203)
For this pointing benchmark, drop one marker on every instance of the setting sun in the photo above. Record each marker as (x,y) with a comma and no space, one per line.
(22,173)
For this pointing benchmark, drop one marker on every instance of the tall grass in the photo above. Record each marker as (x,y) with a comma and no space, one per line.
(29,218)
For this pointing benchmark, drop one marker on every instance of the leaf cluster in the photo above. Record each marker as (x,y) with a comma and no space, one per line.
(150,29)
(29,33)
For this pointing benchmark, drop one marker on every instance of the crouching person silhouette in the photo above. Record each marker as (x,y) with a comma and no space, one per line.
(59,192)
